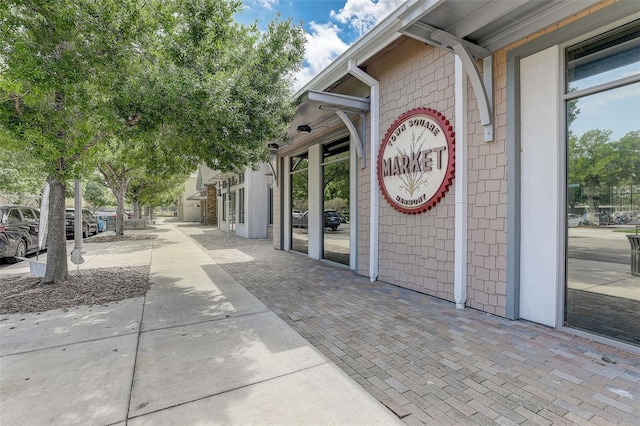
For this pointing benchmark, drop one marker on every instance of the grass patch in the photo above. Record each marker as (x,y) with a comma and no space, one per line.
(628,230)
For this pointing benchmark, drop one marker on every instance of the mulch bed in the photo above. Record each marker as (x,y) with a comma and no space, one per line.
(24,294)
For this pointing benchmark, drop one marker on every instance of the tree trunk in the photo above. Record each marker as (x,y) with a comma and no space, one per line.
(120,210)
(57,270)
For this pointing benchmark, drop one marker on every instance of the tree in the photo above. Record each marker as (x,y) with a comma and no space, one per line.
(336,180)
(595,160)
(628,157)
(148,161)
(55,73)
(227,87)
(21,178)
(76,75)
(154,190)
(591,162)
(97,195)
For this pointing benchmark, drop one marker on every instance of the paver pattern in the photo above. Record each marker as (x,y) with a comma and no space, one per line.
(426,361)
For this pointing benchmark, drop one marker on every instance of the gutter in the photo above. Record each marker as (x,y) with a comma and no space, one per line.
(374,198)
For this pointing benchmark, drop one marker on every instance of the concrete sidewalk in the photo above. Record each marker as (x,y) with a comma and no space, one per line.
(198,349)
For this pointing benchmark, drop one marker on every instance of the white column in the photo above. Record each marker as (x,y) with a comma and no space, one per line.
(460,278)
(285,195)
(315,220)
(374,195)
(353,207)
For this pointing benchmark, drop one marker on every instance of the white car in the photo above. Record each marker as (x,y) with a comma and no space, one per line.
(296,214)
(574,220)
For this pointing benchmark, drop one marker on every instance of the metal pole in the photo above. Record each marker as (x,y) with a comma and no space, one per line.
(76,254)
(228,207)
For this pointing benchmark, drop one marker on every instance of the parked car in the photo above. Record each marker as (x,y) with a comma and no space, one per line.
(574,220)
(603,219)
(89,223)
(18,232)
(331,221)
(106,215)
(296,214)
(343,218)
(102,224)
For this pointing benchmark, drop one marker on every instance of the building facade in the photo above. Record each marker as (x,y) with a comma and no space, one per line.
(459,139)
(245,202)
(241,203)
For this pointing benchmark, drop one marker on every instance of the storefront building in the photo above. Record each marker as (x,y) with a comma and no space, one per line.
(456,142)
(245,202)
(241,202)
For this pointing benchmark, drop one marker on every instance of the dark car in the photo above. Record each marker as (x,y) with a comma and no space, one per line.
(343,218)
(331,220)
(89,223)
(18,232)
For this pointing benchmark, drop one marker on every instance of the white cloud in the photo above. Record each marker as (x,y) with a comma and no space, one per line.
(323,46)
(267,4)
(364,14)
(324,43)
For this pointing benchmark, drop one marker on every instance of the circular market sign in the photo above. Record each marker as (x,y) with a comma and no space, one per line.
(416,160)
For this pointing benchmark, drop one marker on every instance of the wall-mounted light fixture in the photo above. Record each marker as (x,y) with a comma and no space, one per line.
(273,146)
(304,128)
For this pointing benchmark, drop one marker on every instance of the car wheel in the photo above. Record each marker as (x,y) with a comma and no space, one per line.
(21,251)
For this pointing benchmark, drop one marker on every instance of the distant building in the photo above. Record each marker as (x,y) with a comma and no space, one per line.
(235,202)
(188,208)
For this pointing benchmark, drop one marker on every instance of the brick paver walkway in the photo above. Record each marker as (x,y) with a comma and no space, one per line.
(427,361)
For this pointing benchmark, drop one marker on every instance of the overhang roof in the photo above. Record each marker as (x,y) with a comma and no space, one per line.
(198,195)
(488,24)
(481,26)
(318,110)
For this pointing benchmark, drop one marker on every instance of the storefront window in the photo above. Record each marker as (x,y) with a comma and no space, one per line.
(270,209)
(241,205)
(335,169)
(603,59)
(603,189)
(299,175)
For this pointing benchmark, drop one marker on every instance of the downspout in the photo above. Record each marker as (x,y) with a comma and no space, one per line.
(460,277)
(374,85)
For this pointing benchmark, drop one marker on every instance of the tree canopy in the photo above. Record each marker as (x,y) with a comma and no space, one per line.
(81,79)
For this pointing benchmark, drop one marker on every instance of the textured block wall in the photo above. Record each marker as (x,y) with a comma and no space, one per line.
(211,214)
(415,251)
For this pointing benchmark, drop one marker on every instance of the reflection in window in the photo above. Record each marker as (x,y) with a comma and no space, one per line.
(336,179)
(299,175)
(611,56)
(603,190)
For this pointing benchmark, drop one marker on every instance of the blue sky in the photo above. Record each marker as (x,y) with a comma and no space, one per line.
(331,25)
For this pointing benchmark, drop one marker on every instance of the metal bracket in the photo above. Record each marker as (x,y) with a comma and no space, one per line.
(354,135)
(467,52)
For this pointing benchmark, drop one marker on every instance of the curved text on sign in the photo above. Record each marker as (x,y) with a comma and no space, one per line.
(416,160)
